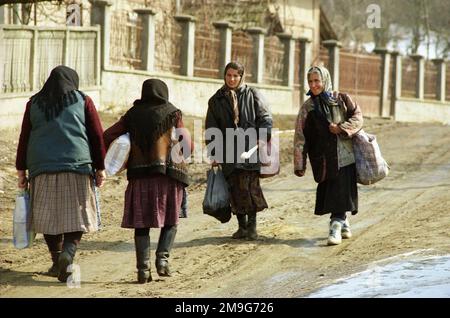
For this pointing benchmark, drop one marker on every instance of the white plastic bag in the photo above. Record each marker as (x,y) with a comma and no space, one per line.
(22,237)
(117,155)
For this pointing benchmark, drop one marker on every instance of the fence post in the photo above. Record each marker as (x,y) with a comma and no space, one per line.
(225,29)
(101,14)
(441,79)
(333,47)
(2,14)
(2,59)
(258,53)
(384,76)
(34,76)
(17,8)
(397,81)
(188,44)
(420,62)
(305,63)
(66,47)
(98,58)
(147,17)
(288,58)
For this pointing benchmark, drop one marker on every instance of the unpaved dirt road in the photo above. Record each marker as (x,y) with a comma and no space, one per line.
(408,211)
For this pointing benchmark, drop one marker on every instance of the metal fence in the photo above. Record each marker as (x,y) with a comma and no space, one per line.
(273,61)
(125,46)
(242,51)
(207,48)
(30,53)
(409,77)
(359,74)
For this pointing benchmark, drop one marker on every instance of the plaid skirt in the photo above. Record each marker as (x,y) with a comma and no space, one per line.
(152,202)
(63,202)
(246,193)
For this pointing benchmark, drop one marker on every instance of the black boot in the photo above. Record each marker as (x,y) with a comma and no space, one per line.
(166,239)
(65,259)
(142,244)
(242,230)
(54,270)
(251,227)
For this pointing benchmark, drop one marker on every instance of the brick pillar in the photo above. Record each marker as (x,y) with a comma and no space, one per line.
(384,72)
(147,17)
(289,58)
(258,53)
(305,64)
(333,47)
(187,44)
(441,79)
(397,81)
(101,15)
(226,32)
(420,74)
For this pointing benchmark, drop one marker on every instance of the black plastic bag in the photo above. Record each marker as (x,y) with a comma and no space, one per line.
(217,198)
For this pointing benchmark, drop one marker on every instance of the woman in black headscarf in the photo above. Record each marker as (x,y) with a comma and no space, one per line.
(155,180)
(62,148)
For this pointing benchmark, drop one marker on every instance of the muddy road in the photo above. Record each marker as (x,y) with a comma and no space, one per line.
(407,211)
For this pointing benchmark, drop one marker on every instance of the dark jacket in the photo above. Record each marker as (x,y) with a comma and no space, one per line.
(312,137)
(253,113)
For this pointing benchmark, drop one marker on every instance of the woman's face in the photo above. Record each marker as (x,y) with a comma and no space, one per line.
(232,78)
(315,83)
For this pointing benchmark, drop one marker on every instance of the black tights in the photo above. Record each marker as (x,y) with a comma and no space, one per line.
(340,216)
(142,232)
(55,242)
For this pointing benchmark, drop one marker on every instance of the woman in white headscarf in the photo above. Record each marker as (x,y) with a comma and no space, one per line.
(324,127)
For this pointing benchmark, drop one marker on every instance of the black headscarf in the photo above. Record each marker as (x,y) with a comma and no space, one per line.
(58,91)
(152,115)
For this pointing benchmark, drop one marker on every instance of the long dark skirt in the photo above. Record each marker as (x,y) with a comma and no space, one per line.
(246,193)
(338,195)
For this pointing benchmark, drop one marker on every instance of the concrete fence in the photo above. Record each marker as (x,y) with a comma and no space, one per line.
(28,54)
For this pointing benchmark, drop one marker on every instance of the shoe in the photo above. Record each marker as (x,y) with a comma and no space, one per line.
(241,233)
(54,270)
(165,243)
(334,237)
(142,245)
(346,233)
(251,227)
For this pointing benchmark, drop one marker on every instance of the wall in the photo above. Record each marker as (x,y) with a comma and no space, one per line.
(12,106)
(191,95)
(414,110)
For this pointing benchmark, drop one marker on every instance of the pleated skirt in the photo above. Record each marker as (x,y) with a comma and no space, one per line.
(63,202)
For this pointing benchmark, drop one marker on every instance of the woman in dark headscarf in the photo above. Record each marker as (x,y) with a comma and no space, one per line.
(325,124)
(155,181)
(62,148)
(239,107)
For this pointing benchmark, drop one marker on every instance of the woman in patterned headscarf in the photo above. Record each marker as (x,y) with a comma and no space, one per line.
(240,108)
(324,127)
(62,148)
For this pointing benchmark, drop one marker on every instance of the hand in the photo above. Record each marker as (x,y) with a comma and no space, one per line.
(22,182)
(100,177)
(214,163)
(335,129)
(299,173)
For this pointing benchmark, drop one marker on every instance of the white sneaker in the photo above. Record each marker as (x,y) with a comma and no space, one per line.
(346,232)
(335,238)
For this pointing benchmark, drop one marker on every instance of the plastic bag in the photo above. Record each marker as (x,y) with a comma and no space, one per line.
(117,155)
(370,165)
(22,236)
(217,198)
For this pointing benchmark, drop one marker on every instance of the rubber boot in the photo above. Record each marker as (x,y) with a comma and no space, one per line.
(165,243)
(242,230)
(251,227)
(54,270)
(142,245)
(65,259)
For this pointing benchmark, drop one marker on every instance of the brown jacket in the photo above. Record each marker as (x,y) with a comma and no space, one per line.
(312,137)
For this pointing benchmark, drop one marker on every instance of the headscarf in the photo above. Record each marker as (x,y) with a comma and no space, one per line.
(151,115)
(231,92)
(58,92)
(324,103)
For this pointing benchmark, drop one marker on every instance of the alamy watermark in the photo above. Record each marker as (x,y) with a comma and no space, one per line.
(374,18)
